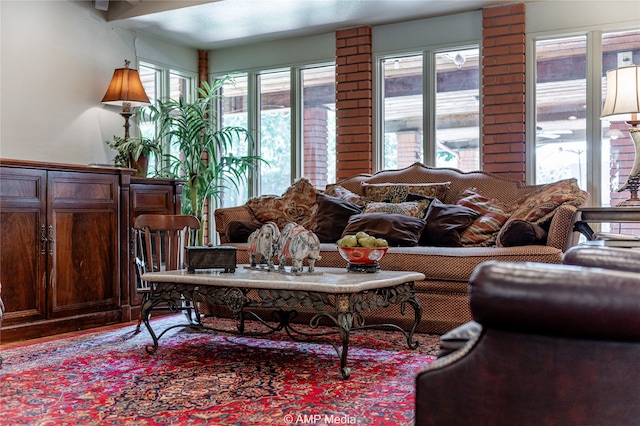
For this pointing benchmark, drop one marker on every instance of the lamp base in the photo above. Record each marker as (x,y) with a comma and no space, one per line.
(633,184)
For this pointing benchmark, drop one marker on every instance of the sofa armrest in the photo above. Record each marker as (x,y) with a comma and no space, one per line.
(621,259)
(559,300)
(561,227)
(224,215)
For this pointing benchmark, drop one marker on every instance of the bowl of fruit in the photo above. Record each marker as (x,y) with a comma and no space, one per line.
(362,251)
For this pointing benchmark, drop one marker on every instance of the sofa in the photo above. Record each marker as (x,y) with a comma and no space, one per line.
(439,221)
(556,345)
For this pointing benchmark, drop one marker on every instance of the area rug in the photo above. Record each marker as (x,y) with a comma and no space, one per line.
(204,377)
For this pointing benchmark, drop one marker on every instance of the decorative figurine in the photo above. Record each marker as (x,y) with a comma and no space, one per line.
(263,245)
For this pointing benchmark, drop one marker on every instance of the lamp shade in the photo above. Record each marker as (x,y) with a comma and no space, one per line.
(125,87)
(623,94)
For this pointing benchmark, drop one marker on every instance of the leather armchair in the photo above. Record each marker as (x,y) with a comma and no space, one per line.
(559,344)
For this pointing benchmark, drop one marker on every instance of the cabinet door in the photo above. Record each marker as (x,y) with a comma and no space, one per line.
(23,243)
(83,216)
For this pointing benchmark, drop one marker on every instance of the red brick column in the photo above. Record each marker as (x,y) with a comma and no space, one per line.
(354,102)
(503,96)
(203,75)
(315,146)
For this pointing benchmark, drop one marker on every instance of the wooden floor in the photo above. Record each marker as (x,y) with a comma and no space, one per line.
(62,335)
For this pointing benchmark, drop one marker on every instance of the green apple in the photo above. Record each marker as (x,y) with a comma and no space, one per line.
(381,242)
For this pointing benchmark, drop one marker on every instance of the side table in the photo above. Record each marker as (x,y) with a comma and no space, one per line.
(586,215)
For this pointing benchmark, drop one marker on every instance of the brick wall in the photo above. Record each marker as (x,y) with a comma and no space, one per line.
(315,146)
(503,86)
(354,102)
(203,75)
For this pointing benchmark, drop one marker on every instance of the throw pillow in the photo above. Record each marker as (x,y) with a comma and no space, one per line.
(540,205)
(398,229)
(410,208)
(332,217)
(344,194)
(297,204)
(239,231)
(484,229)
(521,233)
(444,224)
(398,192)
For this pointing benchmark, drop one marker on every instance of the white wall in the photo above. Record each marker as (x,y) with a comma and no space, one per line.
(57,60)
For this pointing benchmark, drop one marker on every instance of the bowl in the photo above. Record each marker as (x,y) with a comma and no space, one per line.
(362,255)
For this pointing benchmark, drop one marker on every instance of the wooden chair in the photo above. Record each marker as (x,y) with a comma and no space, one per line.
(161,242)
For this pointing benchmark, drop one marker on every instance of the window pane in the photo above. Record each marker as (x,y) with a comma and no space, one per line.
(458,109)
(235,113)
(150,78)
(618,50)
(402,92)
(275,132)
(179,86)
(319,115)
(561,98)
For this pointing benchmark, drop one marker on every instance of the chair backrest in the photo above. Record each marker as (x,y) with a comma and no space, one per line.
(162,239)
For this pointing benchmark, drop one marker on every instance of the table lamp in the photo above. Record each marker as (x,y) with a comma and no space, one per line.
(126,89)
(622,103)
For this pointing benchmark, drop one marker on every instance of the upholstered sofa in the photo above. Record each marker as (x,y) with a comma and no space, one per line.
(439,244)
(554,345)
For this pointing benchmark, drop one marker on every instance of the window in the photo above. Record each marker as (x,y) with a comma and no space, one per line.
(275,131)
(561,99)
(402,114)
(160,83)
(293,104)
(618,49)
(458,109)
(564,115)
(319,125)
(452,106)
(235,112)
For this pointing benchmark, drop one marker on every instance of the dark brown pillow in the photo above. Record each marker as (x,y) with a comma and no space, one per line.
(239,231)
(398,229)
(444,222)
(332,216)
(521,233)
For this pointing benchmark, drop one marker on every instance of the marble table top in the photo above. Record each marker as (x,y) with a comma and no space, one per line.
(324,280)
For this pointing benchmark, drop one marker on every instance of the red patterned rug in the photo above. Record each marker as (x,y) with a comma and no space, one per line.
(203,377)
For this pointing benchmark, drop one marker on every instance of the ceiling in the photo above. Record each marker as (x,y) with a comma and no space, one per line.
(225,23)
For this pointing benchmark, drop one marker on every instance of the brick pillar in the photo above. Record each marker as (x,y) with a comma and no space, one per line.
(354,102)
(315,146)
(503,96)
(203,75)
(622,157)
(409,148)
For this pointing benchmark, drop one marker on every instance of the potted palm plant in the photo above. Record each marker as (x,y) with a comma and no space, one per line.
(205,161)
(134,152)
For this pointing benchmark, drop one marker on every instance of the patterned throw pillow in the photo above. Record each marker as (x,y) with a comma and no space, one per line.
(484,230)
(408,208)
(540,205)
(397,192)
(346,195)
(297,204)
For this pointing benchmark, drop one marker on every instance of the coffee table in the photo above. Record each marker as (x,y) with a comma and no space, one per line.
(328,293)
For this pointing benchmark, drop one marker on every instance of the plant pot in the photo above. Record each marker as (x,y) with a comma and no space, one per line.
(141,165)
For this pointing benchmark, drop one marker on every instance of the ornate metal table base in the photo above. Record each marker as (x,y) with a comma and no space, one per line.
(341,309)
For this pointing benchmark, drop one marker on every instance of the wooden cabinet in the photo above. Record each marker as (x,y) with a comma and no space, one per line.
(66,244)
(149,196)
(60,241)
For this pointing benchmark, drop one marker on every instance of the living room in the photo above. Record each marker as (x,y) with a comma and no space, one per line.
(58,57)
